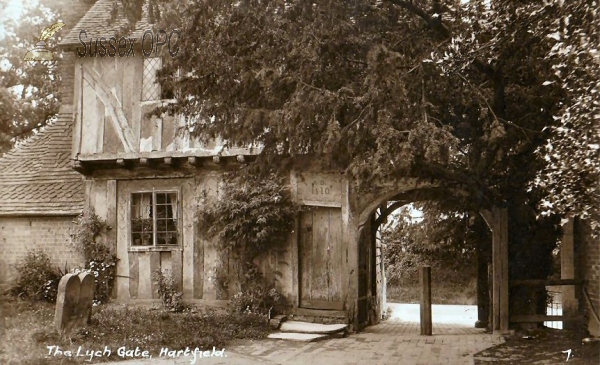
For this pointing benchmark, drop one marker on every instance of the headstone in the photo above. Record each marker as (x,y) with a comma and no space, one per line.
(74,301)
(86,299)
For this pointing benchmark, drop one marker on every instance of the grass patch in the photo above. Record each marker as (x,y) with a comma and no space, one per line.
(30,330)
(440,294)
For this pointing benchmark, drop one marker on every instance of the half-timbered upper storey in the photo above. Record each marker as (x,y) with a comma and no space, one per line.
(115,88)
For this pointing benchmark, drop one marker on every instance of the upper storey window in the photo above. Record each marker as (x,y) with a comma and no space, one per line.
(151,89)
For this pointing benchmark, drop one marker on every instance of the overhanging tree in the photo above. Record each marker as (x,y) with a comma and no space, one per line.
(445,90)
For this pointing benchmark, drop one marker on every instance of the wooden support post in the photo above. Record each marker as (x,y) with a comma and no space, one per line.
(500,269)
(490,275)
(497,220)
(241,158)
(426,320)
(483,302)
(192,160)
(570,304)
(143,161)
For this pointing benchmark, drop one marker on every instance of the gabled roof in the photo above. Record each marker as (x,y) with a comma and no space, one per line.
(36,177)
(97,23)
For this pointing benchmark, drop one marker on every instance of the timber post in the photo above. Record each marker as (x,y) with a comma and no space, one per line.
(483,300)
(497,220)
(570,304)
(426,320)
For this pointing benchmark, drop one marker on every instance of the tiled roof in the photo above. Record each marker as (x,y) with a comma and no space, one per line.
(97,23)
(36,176)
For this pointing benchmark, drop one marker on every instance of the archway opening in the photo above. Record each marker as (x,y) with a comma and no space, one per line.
(409,231)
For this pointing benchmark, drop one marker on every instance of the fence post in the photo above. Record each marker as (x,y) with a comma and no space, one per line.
(425,279)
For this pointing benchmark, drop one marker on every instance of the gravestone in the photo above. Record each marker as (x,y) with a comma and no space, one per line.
(74,301)
(86,298)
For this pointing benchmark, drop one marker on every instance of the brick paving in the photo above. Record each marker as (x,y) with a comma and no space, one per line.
(391,342)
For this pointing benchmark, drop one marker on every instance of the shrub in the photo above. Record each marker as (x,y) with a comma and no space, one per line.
(37,278)
(100,260)
(257,297)
(167,291)
(256,217)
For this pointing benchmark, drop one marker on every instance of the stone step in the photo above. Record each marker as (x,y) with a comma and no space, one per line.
(312,328)
(293,336)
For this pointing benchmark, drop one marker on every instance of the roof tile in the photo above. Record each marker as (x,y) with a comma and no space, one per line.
(35,176)
(97,23)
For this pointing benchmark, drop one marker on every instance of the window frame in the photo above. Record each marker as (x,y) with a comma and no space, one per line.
(159,100)
(154,246)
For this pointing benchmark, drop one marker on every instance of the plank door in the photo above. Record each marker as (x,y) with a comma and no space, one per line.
(320,259)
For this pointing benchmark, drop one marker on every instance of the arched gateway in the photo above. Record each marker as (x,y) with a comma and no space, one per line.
(144,175)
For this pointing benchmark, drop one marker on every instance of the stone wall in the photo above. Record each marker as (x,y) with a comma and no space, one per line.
(18,235)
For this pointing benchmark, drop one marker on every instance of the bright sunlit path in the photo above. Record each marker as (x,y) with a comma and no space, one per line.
(441,313)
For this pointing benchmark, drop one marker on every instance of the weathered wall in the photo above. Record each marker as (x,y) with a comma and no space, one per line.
(113,115)
(195,262)
(18,235)
(588,266)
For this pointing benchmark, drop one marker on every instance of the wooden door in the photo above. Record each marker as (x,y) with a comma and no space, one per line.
(320,259)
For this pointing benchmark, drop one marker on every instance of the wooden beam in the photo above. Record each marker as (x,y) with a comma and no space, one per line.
(241,158)
(192,160)
(78,98)
(553,282)
(570,304)
(387,211)
(113,106)
(121,162)
(217,159)
(535,318)
(168,160)
(500,284)
(144,161)
(78,166)
(487,217)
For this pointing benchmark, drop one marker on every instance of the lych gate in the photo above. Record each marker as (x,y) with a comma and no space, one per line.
(144,175)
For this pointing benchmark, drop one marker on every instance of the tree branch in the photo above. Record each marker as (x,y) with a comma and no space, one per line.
(435,24)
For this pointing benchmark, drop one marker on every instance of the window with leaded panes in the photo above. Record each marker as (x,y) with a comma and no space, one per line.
(151,88)
(154,218)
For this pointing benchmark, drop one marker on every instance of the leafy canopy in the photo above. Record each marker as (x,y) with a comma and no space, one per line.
(28,90)
(495,99)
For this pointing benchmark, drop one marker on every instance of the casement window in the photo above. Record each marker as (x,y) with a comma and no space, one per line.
(151,88)
(155,218)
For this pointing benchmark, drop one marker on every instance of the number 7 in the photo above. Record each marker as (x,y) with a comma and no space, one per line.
(568,353)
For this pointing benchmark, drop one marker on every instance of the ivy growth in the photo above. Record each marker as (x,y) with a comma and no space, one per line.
(100,259)
(256,217)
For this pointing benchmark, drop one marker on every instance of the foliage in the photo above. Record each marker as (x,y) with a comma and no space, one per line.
(446,242)
(467,94)
(171,297)
(572,154)
(28,90)
(156,329)
(251,216)
(255,218)
(30,329)
(100,259)
(37,278)
(257,296)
